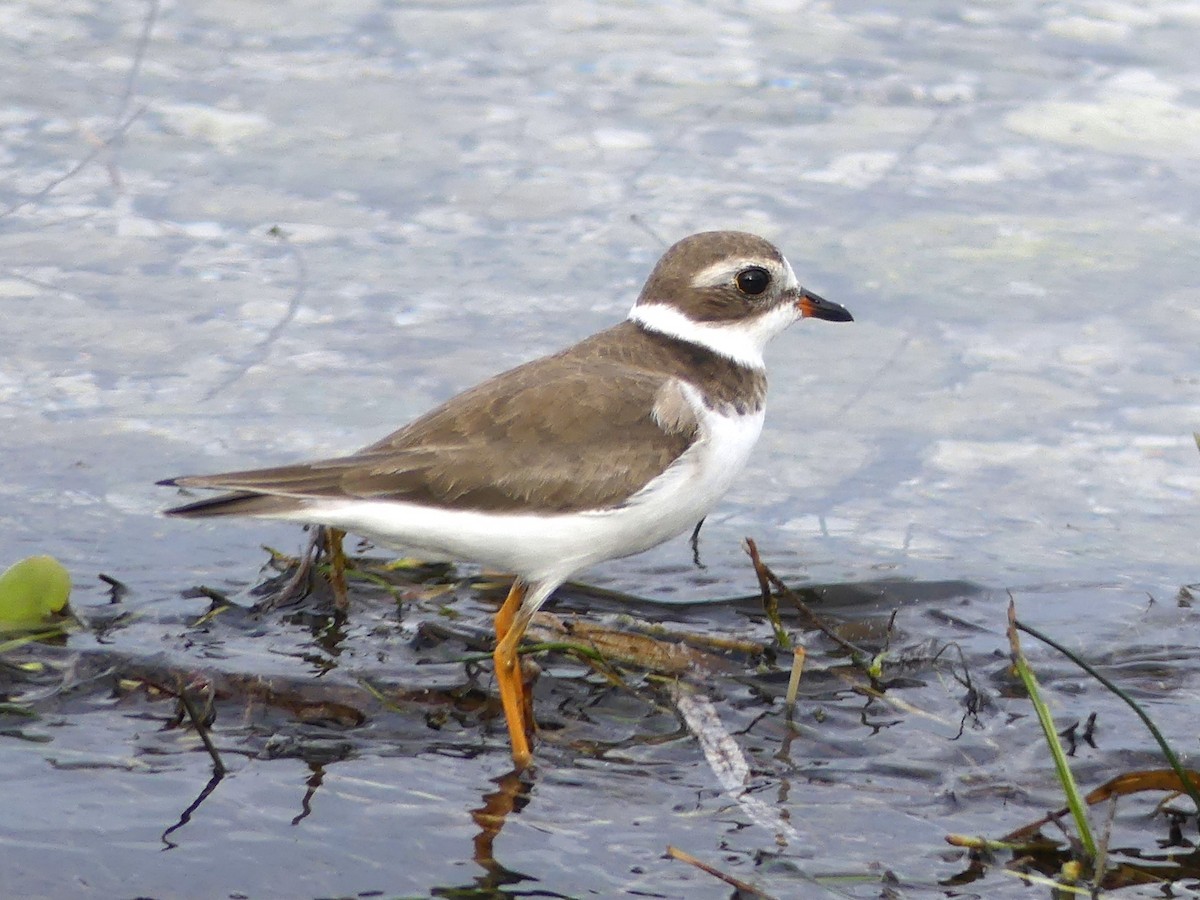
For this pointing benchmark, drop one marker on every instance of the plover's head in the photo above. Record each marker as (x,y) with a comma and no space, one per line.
(729,291)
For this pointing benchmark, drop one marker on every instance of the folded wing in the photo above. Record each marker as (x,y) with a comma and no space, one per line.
(538,437)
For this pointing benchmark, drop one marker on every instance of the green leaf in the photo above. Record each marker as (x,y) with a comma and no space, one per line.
(1062,768)
(32,590)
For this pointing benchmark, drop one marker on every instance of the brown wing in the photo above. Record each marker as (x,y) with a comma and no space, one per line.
(562,433)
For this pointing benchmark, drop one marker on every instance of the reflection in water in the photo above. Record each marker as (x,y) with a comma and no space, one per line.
(201,720)
(315,780)
(511,797)
(186,815)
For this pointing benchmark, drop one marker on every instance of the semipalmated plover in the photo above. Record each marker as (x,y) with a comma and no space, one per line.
(606,449)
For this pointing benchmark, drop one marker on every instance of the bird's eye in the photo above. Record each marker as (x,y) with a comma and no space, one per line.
(753,281)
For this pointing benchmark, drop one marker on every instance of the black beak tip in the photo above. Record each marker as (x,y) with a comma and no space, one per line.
(819,308)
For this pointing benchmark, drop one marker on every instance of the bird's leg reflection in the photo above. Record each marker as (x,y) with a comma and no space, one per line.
(511,796)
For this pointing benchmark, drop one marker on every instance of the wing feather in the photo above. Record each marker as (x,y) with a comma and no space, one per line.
(540,435)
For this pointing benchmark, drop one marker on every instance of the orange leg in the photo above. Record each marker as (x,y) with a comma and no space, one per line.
(508,673)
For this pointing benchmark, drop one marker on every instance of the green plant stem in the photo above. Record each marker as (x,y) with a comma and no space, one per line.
(1066,778)
(1184,779)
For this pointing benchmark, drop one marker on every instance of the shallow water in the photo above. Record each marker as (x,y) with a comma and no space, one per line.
(1002,195)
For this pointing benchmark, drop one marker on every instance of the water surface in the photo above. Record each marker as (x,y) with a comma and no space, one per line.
(235,234)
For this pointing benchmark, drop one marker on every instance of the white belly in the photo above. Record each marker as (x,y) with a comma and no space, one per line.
(554,547)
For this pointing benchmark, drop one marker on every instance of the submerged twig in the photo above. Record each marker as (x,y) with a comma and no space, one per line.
(79,166)
(299,584)
(743,887)
(857,654)
(202,730)
(259,352)
(770,602)
(139,57)
(116,589)
(322,541)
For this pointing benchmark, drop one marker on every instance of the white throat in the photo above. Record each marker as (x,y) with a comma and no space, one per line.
(742,340)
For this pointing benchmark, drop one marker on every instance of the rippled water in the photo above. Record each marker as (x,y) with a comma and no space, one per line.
(234,234)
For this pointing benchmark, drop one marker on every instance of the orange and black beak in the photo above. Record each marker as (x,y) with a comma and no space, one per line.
(810,304)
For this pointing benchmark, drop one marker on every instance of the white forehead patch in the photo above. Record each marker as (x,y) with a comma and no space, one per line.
(724,271)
